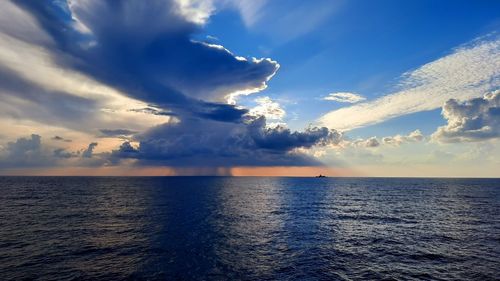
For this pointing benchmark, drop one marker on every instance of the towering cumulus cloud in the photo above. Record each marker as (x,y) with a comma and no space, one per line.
(145,50)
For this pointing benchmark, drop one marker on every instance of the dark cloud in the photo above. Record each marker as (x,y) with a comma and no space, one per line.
(154,111)
(87,153)
(25,152)
(62,153)
(25,146)
(58,138)
(194,142)
(121,133)
(31,152)
(145,50)
(22,99)
(473,120)
(282,139)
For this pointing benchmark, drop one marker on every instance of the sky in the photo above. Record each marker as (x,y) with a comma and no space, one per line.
(250,88)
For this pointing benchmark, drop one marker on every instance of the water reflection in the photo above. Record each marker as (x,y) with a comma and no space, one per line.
(248,221)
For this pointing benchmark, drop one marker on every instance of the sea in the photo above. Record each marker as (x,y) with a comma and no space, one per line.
(249,228)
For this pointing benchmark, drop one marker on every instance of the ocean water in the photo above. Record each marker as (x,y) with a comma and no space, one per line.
(223,228)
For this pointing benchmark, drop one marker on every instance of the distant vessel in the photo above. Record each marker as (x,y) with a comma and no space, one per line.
(321,176)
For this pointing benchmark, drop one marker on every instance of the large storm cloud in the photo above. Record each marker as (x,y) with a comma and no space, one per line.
(146,50)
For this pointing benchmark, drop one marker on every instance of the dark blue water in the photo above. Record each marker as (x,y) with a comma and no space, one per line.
(217,228)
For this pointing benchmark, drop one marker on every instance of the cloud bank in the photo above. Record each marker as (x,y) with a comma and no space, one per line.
(194,142)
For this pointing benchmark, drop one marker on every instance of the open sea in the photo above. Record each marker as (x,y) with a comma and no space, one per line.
(246,228)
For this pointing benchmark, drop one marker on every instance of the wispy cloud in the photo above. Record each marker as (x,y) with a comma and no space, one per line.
(250,11)
(274,18)
(470,71)
(345,97)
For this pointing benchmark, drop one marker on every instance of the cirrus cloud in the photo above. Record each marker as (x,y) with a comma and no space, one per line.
(469,72)
(345,97)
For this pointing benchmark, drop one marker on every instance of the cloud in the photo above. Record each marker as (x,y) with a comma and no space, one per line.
(19,24)
(347,143)
(153,111)
(371,142)
(31,152)
(33,87)
(197,11)
(415,136)
(194,142)
(268,108)
(274,18)
(345,97)
(282,139)
(250,11)
(87,153)
(23,99)
(468,72)
(62,153)
(58,138)
(121,133)
(25,152)
(169,69)
(146,52)
(25,146)
(476,119)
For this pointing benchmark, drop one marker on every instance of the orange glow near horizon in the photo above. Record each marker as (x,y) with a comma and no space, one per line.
(292,171)
(169,171)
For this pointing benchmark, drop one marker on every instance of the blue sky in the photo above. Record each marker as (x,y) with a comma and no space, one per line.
(363,88)
(358,46)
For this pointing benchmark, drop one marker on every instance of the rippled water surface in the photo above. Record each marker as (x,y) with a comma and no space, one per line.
(217,228)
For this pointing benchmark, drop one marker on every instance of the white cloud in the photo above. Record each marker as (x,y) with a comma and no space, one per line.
(474,120)
(372,142)
(18,24)
(268,108)
(468,72)
(369,143)
(415,136)
(250,10)
(197,11)
(274,18)
(345,97)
